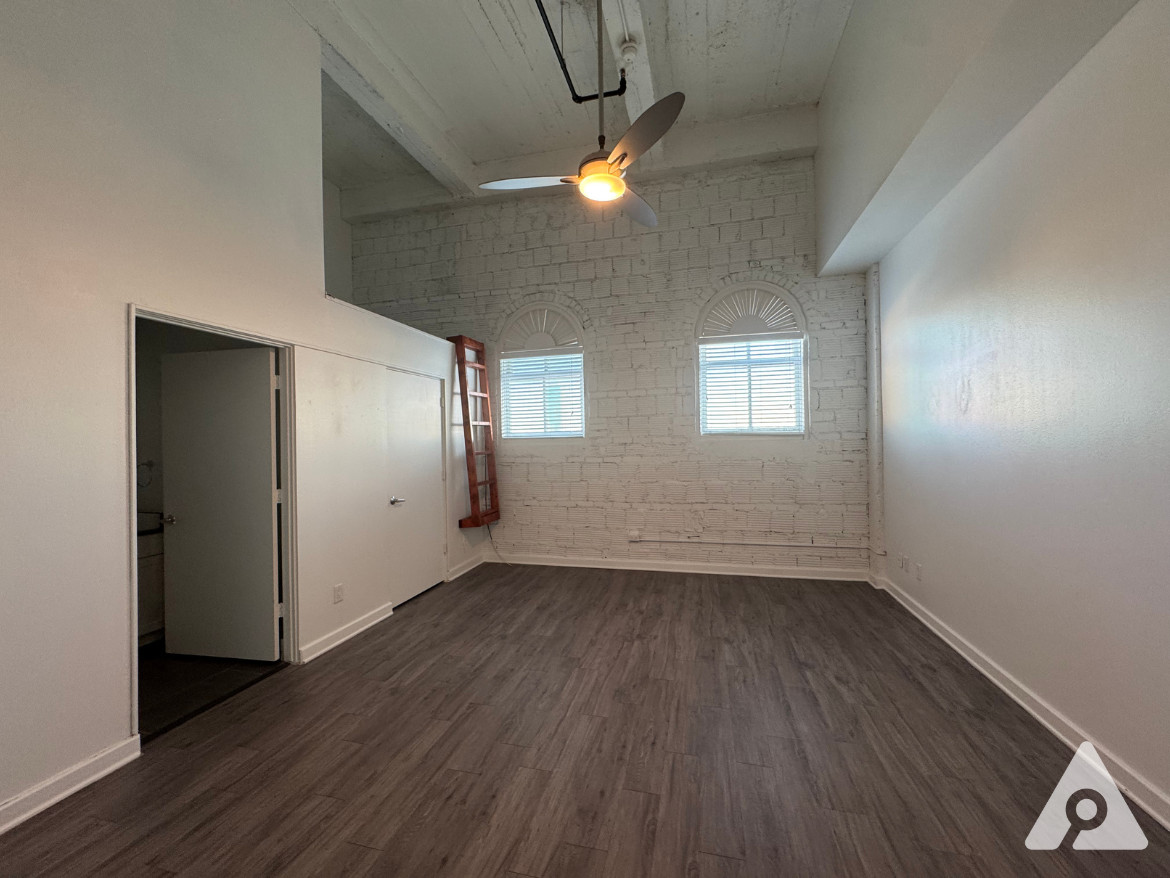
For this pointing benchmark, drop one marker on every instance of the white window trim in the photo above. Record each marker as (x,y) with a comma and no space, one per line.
(802,334)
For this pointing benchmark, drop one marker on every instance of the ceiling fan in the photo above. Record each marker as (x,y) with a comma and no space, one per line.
(601,174)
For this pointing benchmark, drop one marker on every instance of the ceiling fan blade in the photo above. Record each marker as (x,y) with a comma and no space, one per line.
(647,130)
(638,210)
(524,183)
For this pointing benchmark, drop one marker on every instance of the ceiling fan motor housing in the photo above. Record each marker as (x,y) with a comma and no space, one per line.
(596,163)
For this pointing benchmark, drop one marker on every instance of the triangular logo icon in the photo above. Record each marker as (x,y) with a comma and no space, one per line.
(1087,805)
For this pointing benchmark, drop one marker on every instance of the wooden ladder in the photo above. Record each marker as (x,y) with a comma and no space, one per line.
(477,423)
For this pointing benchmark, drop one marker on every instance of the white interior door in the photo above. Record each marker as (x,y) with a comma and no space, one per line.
(415,529)
(219,483)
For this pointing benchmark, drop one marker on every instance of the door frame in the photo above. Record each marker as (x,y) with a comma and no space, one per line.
(289,646)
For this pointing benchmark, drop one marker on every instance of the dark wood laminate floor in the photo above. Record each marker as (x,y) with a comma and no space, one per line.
(552,722)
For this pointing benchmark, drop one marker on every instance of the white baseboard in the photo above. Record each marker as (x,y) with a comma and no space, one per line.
(322,645)
(1152,800)
(836,573)
(466,567)
(49,792)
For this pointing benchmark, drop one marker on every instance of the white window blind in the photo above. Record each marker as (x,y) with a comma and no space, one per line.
(542,396)
(752,386)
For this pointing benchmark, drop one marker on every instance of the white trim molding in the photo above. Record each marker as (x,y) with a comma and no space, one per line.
(840,574)
(1149,797)
(466,567)
(65,783)
(323,644)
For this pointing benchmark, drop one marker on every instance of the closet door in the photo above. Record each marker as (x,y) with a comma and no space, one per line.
(415,525)
(366,434)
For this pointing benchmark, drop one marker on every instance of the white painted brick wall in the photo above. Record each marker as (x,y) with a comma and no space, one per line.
(638,292)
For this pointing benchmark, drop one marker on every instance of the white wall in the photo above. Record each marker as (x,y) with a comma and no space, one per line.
(642,465)
(158,152)
(338,245)
(1027,430)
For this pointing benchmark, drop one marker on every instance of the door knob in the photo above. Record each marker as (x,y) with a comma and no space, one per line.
(168,519)
(394,501)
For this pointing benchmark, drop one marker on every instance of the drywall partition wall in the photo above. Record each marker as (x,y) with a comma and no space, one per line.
(159,152)
(638,294)
(1027,431)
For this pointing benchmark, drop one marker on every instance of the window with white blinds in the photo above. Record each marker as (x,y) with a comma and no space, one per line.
(752,386)
(542,396)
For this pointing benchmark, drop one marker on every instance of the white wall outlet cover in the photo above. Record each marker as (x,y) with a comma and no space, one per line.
(338,593)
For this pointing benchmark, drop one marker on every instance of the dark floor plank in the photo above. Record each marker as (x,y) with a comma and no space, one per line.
(676,838)
(631,836)
(574,861)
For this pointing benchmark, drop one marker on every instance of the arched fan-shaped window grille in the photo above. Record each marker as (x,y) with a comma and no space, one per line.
(752,362)
(754,309)
(542,375)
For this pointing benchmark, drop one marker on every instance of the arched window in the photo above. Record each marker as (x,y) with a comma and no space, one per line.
(752,362)
(542,375)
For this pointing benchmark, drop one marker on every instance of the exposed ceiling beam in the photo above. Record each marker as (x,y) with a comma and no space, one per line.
(387,91)
(624,23)
(785,133)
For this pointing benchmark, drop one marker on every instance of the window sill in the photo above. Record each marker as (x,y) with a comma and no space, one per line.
(753,435)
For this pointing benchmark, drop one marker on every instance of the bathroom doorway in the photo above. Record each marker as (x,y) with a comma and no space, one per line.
(211,438)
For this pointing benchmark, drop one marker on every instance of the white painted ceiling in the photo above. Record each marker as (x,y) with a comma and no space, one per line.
(484,88)
(737,58)
(490,73)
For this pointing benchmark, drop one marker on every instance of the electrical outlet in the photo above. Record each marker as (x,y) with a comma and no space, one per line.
(903,561)
(338,593)
(918,572)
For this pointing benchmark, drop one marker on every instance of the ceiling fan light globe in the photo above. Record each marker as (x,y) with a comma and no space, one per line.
(598,180)
(602,187)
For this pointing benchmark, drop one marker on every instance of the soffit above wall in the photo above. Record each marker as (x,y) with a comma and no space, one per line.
(880,171)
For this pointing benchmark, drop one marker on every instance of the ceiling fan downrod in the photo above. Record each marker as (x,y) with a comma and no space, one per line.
(600,86)
(601,175)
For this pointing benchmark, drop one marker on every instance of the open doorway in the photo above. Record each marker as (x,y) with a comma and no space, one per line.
(210,439)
